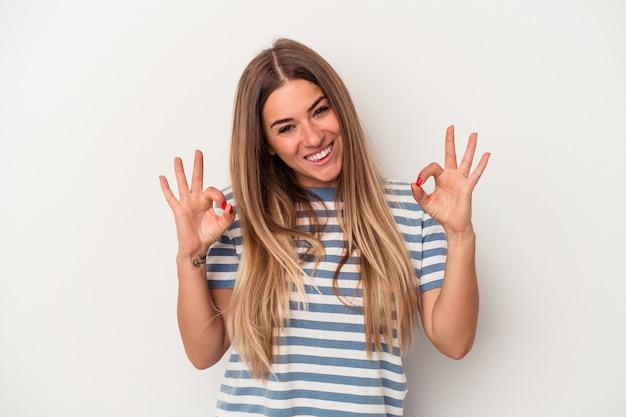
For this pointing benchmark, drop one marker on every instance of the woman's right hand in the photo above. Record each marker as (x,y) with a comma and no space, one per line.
(197,224)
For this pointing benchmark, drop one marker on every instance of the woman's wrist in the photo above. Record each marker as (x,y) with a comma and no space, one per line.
(461,236)
(197,259)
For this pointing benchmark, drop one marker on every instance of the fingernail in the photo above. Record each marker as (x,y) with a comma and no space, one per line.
(231,209)
(223,205)
(419,181)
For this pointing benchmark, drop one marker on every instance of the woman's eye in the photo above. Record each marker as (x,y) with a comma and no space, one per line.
(321,110)
(285,129)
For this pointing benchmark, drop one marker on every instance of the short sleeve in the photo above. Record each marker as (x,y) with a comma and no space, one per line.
(434,253)
(424,238)
(223,257)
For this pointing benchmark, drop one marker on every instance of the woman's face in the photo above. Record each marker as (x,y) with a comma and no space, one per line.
(303,130)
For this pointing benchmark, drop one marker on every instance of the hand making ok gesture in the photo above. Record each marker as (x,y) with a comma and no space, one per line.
(450,203)
(198,226)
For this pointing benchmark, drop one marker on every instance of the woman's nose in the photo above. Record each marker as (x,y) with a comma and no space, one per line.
(313,136)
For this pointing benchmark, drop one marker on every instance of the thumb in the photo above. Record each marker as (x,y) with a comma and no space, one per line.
(419,194)
(227,218)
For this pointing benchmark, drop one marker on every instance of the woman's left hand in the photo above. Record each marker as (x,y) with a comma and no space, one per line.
(450,203)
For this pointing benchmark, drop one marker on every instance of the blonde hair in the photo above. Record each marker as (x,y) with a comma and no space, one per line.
(267,197)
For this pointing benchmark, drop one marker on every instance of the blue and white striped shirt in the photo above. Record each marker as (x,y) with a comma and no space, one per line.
(321,367)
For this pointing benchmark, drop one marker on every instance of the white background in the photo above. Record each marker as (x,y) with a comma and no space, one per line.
(97,97)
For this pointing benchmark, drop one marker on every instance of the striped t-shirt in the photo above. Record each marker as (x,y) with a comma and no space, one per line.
(321,367)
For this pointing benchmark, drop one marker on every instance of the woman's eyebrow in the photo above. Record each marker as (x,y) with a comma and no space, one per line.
(316,103)
(277,122)
(290,119)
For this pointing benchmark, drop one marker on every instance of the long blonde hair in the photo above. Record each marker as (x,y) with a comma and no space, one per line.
(267,196)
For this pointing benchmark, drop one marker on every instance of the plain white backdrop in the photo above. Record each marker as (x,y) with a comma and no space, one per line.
(96,99)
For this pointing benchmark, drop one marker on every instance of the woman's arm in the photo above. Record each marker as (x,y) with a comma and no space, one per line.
(201,319)
(450,313)
(201,313)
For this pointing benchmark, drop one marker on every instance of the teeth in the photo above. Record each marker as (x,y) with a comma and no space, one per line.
(316,157)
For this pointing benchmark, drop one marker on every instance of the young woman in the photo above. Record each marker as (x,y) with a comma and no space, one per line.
(318,268)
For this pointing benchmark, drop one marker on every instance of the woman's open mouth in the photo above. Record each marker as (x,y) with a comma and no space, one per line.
(316,157)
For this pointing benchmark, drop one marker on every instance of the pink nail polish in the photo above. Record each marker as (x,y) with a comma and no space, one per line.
(419,181)
(223,205)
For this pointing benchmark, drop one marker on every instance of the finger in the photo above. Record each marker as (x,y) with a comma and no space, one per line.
(181,179)
(167,192)
(468,156)
(478,171)
(228,216)
(198,172)
(224,220)
(431,170)
(450,157)
(419,194)
(213,194)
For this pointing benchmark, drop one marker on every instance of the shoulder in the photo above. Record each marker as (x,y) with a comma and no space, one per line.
(398,189)
(228,193)
(405,210)
(400,196)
